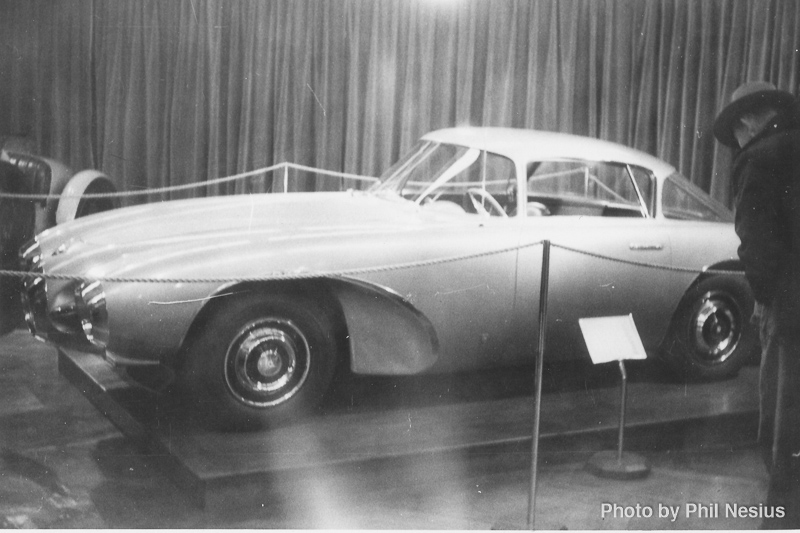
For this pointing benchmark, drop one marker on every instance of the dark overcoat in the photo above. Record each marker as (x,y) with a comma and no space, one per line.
(767,178)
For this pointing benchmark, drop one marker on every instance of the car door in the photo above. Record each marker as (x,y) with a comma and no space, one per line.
(605,247)
(463,213)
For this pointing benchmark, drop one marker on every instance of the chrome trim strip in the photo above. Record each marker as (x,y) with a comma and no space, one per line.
(638,247)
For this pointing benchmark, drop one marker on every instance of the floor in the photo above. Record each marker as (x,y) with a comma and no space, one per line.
(64,465)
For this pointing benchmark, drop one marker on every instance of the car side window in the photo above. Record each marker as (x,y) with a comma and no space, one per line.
(588,188)
(681,200)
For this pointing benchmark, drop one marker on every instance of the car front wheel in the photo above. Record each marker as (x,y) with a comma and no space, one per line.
(712,336)
(259,361)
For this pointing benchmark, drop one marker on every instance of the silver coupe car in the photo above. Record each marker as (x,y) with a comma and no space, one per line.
(253,301)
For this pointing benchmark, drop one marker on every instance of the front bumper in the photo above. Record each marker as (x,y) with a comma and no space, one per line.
(34,292)
(71,311)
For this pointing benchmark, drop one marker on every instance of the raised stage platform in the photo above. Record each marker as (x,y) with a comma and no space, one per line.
(368,428)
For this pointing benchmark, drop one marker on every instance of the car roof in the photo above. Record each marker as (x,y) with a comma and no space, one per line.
(536,145)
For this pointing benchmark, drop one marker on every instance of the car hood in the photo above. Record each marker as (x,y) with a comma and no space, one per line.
(238,235)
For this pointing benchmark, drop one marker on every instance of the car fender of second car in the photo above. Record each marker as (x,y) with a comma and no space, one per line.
(62,191)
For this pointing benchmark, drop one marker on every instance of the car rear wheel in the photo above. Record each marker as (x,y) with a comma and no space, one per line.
(712,336)
(259,361)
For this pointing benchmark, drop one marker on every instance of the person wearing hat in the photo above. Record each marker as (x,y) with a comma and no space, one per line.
(760,125)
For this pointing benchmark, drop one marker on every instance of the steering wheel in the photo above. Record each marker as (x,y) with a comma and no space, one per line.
(477,196)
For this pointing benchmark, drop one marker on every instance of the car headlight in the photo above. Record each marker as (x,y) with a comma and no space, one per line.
(63,312)
(90,303)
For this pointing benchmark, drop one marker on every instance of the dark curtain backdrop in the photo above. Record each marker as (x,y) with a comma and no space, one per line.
(165,92)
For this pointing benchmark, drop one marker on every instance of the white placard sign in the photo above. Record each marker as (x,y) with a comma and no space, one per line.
(612,338)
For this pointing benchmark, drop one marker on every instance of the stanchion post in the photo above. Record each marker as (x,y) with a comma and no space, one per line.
(286,179)
(543,289)
(623,401)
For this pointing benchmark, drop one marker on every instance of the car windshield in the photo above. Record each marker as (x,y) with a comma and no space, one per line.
(453,177)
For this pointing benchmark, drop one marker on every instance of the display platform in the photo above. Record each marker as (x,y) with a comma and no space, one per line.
(217,469)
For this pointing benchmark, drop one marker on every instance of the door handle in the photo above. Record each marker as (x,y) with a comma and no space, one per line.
(644,247)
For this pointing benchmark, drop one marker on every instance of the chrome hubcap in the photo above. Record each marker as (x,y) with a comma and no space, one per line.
(716,327)
(267,362)
(270,363)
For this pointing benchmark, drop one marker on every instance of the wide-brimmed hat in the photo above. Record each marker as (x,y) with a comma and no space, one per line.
(747,97)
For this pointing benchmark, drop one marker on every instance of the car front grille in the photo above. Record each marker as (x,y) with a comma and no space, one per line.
(34,291)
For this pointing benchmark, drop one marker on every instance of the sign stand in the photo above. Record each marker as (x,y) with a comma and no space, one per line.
(615,339)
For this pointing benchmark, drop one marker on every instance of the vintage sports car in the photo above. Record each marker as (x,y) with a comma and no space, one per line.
(436,268)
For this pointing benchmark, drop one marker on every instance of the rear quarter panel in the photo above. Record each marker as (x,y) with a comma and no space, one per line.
(650,287)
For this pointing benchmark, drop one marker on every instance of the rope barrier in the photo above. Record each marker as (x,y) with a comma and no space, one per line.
(332,173)
(186,186)
(643,264)
(276,276)
(310,275)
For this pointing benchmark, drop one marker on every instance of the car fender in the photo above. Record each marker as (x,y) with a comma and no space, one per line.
(725,265)
(72,200)
(387,335)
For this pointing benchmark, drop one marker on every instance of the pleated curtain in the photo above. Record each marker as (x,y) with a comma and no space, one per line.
(167,92)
